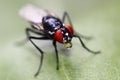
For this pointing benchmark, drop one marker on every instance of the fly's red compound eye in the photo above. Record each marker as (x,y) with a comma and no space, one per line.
(70,29)
(59,36)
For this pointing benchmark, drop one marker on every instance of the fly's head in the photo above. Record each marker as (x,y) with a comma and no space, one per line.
(64,35)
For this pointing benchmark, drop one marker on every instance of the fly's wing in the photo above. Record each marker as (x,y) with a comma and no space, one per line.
(34,15)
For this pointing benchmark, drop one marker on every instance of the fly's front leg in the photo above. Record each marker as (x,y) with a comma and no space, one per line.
(66,15)
(57,57)
(84,46)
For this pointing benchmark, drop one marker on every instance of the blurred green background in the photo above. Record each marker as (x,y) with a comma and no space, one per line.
(97,18)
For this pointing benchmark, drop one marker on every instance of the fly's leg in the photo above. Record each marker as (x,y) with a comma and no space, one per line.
(37,38)
(66,15)
(84,46)
(32,30)
(57,57)
(35,31)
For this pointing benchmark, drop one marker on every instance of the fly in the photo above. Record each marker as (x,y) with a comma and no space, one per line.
(50,27)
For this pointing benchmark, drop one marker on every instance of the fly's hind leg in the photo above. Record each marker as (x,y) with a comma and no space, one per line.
(28,30)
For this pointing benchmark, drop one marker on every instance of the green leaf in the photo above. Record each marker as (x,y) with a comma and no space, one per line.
(98,19)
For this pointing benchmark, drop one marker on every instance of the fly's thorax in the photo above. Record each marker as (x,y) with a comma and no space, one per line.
(51,25)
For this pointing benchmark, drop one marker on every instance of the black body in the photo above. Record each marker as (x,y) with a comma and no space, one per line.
(52,24)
